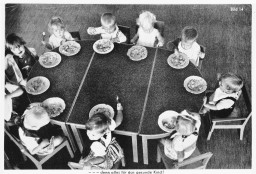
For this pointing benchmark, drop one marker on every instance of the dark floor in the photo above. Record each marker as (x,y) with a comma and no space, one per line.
(226,34)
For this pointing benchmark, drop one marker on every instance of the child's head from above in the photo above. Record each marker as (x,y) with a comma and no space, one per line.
(146,21)
(56,26)
(230,83)
(185,125)
(108,22)
(35,118)
(97,126)
(15,44)
(188,37)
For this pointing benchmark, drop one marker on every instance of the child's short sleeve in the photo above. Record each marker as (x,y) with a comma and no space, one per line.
(98,149)
(29,142)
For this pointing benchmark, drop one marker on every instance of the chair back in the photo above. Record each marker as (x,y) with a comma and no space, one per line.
(126,31)
(203,158)
(75,35)
(159,25)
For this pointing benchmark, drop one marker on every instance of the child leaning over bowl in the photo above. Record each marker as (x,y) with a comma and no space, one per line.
(147,34)
(59,34)
(109,29)
(182,141)
(105,151)
(221,103)
(37,133)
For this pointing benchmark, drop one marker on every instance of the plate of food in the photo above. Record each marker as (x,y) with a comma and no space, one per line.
(102,108)
(70,48)
(178,60)
(167,120)
(103,46)
(195,84)
(37,85)
(137,53)
(54,106)
(50,59)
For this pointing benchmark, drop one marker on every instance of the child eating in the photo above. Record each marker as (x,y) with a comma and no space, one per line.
(182,142)
(109,29)
(59,34)
(147,34)
(221,103)
(105,152)
(37,133)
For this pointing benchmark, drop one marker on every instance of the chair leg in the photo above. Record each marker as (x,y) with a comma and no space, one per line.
(158,155)
(38,165)
(241,133)
(123,162)
(210,132)
(70,150)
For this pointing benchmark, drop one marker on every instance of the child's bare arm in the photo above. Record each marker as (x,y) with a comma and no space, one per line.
(160,40)
(135,38)
(47,45)
(96,160)
(119,115)
(210,106)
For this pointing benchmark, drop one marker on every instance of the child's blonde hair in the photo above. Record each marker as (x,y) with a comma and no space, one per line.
(234,82)
(146,16)
(189,33)
(57,21)
(108,18)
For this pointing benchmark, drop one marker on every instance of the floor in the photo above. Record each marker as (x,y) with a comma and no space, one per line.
(225,34)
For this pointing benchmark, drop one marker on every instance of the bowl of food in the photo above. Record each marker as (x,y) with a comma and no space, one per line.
(102,108)
(137,53)
(103,46)
(178,60)
(49,59)
(54,106)
(195,84)
(167,120)
(70,48)
(37,85)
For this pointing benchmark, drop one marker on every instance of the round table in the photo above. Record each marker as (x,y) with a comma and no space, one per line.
(146,88)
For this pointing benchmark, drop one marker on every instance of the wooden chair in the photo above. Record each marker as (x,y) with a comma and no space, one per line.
(37,160)
(126,31)
(195,161)
(75,35)
(171,45)
(235,120)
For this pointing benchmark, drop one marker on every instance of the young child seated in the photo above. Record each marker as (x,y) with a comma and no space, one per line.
(59,34)
(105,152)
(182,142)
(109,29)
(221,103)
(19,59)
(147,34)
(37,133)
(187,44)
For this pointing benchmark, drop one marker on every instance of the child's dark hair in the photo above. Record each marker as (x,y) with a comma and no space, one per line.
(236,82)
(14,40)
(98,121)
(190,33)
(108,18)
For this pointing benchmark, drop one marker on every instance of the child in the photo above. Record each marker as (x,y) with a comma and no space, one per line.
(105,152)
(182,142)
(221,103)
(19,59)
(59,34)
(109,29)
(147,34)
(189,46)
(37,134)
